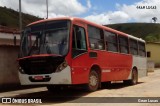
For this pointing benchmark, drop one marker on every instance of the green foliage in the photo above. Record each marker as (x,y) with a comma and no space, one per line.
(10,18)
(153,38)
(150,38)
(147,31)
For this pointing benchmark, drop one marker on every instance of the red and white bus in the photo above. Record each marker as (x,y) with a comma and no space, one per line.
(72,51)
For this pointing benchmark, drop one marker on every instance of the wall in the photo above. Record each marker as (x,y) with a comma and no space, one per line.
(8,65)
(8,42)
(8,38)
(154,49)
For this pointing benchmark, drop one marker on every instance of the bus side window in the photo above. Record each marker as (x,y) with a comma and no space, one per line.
(78,41)
(111,41)
(96,37)
(142,51)
(123,44)
(133,47)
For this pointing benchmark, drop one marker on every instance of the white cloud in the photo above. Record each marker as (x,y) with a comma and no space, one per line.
(100,18)
(126,13)
(56,7)
(89,4)
(109,18)
(118,17)
(142,15)
(10,4)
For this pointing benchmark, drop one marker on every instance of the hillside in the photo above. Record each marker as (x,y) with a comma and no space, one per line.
(147,31)
(10,18)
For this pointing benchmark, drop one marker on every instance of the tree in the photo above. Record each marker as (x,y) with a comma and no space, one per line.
(154,19)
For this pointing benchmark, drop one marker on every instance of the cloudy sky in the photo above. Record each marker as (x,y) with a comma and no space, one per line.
(99,11)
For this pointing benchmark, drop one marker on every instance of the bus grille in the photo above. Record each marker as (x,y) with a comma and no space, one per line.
(39,66)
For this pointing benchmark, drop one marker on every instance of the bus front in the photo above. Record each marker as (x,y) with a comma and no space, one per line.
(43,51)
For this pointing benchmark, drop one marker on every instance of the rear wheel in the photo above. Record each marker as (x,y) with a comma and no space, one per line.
(134,79)
(94,81)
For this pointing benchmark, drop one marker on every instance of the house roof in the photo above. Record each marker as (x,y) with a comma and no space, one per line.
(5,29)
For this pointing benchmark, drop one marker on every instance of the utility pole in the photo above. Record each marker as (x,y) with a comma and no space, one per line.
(47,8)
(20,17)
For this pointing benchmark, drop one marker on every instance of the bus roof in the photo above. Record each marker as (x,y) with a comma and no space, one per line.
(90,23)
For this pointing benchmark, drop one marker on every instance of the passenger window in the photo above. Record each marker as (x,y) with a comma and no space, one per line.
(123,44)
(78,41)
(96,38)
(142,51)
(111,41)
(133,47)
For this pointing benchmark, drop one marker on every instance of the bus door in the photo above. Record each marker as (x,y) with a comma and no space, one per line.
(79,54)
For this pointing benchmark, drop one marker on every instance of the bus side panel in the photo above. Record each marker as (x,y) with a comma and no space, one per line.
(141,64)
(115,66)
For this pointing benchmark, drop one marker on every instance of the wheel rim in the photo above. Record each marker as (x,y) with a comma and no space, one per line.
(93,80)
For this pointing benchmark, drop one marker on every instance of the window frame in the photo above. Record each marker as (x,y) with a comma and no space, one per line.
(100,40)
(75,39)
(81,51)
(131,47)
(143,50)
(126,46)
(110,42)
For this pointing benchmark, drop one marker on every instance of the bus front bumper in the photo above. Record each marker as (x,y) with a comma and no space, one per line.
(62,77)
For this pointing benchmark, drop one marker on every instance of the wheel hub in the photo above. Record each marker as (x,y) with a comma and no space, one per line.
(93,80)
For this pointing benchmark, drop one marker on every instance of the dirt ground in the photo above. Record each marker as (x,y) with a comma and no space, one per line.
(148,86)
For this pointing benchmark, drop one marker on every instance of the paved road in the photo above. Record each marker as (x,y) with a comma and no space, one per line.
(147,87)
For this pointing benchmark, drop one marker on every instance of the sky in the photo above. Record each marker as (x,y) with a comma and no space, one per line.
(98,11)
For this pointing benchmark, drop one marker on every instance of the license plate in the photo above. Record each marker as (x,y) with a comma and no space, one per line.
(38,77)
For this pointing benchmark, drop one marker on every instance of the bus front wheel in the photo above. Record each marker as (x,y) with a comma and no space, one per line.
(94,81)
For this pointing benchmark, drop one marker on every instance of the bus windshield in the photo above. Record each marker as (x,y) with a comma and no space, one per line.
(45,38)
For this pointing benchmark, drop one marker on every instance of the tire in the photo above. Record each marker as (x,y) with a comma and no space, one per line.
(94,81)
(134,79)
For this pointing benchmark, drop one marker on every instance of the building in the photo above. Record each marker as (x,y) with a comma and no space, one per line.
(9,36)
(153,52)
(9,49)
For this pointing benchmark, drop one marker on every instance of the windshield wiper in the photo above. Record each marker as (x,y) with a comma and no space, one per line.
(32,47)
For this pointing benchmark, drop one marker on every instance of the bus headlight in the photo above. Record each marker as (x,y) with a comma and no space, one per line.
(21,70)
(62,66)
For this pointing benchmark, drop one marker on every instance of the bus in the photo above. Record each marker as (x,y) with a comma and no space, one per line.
(73,51)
